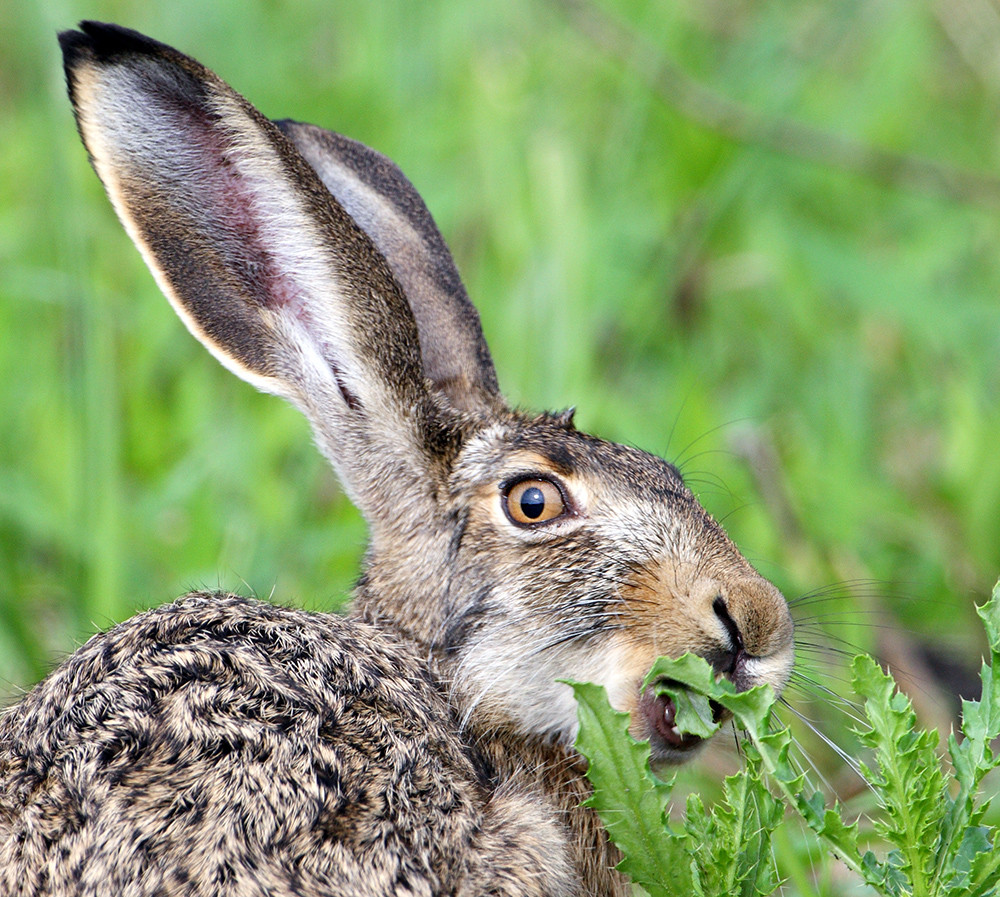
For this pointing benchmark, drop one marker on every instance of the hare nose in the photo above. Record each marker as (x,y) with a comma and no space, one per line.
(755,644)
(729,658)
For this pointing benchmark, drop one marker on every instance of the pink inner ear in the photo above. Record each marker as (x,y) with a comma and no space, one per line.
(224,214)
(235,212)
(239,212)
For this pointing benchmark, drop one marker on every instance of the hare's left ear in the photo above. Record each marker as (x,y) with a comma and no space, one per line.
(380,198)
(290,290)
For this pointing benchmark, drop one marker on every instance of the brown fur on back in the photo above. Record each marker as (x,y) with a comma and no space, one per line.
(220,746)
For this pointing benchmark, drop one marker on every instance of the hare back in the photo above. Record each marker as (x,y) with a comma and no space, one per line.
(224,746)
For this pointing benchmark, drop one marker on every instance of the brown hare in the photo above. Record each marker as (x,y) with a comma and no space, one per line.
(423,744)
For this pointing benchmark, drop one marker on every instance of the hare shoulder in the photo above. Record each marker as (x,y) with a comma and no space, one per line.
(229,746)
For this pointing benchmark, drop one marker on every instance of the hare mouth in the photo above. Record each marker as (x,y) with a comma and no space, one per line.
(666,740)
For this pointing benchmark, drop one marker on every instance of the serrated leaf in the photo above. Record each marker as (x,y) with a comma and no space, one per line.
(750,708)
(886,877)
(972,758)
(688,669)
(981,719)
(908,778)
(731,847)
(989,613)
(939,846)
(629,799)
(974,841)
(692,711)
(984,873)
(775,749)
(752,712)
(842,836)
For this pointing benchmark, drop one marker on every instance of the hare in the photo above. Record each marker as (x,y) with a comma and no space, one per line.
(423,744)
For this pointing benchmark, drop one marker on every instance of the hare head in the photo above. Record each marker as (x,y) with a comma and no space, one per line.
(514,550)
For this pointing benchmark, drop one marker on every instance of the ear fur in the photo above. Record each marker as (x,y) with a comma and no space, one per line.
(268,269)
(380,198)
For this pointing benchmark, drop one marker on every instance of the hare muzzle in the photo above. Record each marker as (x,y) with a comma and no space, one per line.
(745,634)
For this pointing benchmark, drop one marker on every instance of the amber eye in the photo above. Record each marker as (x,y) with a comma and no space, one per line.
(533,501)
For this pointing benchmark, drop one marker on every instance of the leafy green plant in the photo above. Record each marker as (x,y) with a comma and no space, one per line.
(936,843)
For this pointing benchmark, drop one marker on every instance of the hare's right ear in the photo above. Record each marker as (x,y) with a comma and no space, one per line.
(380,198)
(270,272)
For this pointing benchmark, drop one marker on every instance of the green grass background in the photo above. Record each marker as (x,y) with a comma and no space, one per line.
(817,345)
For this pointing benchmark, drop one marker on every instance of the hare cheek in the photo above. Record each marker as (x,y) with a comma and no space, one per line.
(526,687)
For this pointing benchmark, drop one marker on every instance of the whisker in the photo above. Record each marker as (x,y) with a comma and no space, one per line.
(838,618)
(797,762)
(680,462)
(829,742)
(849,653)
(847,588)
(810,689)
(798,681)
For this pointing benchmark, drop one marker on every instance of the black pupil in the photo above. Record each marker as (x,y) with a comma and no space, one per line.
(532,503)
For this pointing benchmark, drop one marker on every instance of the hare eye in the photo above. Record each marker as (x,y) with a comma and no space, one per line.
(533,501)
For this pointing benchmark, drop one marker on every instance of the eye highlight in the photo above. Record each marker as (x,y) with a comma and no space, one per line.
(532,501)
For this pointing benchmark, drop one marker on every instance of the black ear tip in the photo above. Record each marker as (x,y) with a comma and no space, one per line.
(77,49)
(101,40)
(74,44)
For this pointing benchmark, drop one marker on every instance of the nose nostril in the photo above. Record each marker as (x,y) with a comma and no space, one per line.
(735,638)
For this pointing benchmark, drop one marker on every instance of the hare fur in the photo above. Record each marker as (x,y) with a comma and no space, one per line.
(423,744)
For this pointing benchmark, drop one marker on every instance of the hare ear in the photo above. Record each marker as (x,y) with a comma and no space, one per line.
(380,198)
(264,266)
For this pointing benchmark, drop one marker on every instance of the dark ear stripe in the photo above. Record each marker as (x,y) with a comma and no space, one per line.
(377,194)
(202,284)
(386,178)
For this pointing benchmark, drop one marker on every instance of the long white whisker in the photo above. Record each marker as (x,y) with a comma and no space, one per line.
(829,742)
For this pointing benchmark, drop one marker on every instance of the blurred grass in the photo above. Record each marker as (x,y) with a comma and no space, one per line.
(818,346)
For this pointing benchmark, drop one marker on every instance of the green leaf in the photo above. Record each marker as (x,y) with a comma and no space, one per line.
(984,874)
(973,756)
(974,841)
(690,670)
(629,799)
(752,713)
(989,613)
(938,846)
(981,719)
(885,877)
(908,778)
(693,712)
(751,708)
(731,846)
